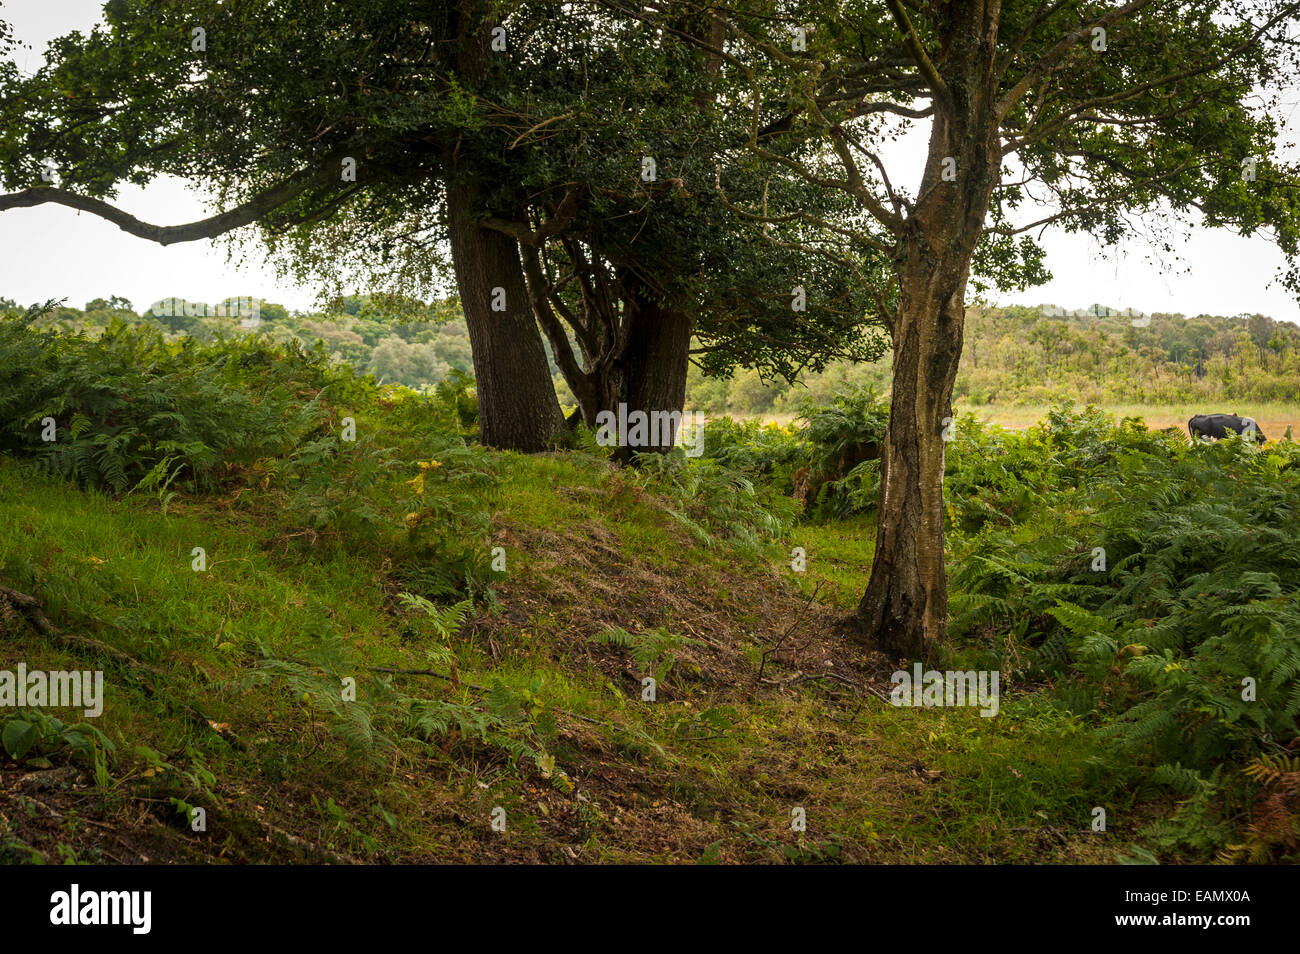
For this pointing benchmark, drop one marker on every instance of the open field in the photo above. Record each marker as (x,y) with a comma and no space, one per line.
(1273,419)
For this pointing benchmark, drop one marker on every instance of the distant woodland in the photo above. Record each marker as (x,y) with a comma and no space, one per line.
(1016,355)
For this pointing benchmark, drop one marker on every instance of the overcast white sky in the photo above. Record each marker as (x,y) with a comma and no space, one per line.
(53,252)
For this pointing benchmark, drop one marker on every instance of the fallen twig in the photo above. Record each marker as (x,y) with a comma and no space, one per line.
(786,635)
(31,608)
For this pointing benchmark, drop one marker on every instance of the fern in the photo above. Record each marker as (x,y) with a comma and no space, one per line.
(653,649)
(128,399)
(1200,597)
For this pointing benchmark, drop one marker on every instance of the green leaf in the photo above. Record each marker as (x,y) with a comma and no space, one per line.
(19,736)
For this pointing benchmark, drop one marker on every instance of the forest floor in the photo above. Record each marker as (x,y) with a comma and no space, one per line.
(767,716)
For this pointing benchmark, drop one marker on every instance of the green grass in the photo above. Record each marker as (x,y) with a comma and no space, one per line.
(710,772)
(839,555)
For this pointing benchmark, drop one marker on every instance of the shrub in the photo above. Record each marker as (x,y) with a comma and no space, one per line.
(1163,578)
(843,443)
(129,403)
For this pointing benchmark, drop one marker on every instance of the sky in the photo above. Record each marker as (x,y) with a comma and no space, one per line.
(54,252)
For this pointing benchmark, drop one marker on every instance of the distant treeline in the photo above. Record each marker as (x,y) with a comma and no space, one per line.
(1012,355)
(1040,355)
(399,341)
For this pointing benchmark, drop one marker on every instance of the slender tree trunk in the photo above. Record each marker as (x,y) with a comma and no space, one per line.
(518,409)
(905,606)
(643,365)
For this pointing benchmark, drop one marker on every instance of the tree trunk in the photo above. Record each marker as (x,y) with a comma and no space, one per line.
(517,406)
(905,606)
(654,362)
(640,365)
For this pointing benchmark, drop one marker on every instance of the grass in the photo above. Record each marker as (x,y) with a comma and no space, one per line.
(407,648)
(712,771)
(839,554)
(1273,418)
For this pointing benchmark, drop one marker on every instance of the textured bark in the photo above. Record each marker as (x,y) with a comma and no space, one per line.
(633,349)
(905,606)
(517,406)
(654,362)
(518,409)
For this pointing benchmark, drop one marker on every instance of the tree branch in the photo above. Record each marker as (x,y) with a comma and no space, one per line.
(563,217)
(919,55)
(1062,46)
(246,213)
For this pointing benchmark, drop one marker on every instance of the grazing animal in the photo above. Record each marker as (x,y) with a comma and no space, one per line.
(1216,426)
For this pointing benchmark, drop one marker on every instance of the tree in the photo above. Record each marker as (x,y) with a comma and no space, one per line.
(1145,109)
(1261,329)
(416,365)
(304,118)
(638,251)
(112,303)
(390,127)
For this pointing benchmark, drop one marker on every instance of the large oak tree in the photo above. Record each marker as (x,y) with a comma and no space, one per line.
(364,140)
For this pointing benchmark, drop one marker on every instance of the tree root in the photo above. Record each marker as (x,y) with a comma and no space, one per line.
(31,609)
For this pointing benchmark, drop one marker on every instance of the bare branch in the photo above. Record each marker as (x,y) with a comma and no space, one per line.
(246,213)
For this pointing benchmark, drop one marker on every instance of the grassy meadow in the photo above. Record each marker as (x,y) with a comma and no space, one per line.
(344,631)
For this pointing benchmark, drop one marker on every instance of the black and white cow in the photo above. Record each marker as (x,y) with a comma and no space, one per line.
(1217,426)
